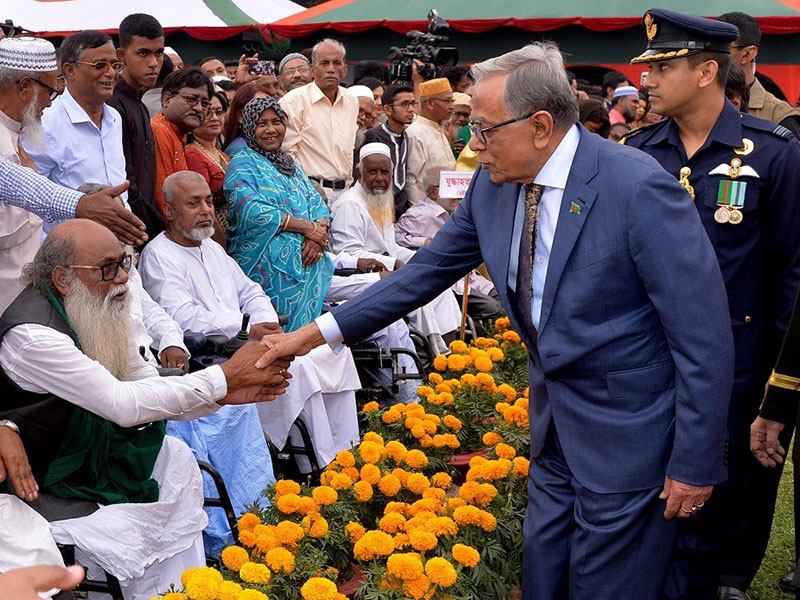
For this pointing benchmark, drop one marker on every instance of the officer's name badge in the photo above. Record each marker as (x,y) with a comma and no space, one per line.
(730,200)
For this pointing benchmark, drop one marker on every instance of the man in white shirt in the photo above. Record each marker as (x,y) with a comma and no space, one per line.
(83,135)
(74,385)
(206,292)
(321,125)
(362,226)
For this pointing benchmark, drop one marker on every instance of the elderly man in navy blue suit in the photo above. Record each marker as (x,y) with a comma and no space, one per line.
(600,261)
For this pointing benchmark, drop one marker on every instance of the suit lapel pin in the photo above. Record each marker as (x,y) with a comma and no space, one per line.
(575,209)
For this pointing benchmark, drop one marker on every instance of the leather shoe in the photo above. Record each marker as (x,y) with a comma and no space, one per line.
(731,593)
(785,583)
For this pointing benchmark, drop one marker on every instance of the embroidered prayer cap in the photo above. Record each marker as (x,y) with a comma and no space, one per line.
(374,148)
(462,99)
(27,54)
(434,86)
(360,91)
(672,35)
(288,57)
(625,90)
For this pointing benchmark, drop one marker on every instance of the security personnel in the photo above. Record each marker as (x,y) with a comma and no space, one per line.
(742,173)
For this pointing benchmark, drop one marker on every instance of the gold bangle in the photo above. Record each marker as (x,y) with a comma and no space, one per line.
(784,381)
(286,224)
(315,228)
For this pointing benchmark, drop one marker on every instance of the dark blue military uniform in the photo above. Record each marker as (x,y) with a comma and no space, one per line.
(745,180)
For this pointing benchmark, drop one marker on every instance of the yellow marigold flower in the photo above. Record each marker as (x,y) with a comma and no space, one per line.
(352,473)
(173,596)
(396,450)
(425,391)
(205,573)
(418,588)
(406,566)
(441,480)
(452,422)
(484,495)
(468,379)
(306,505)
(288,532)
(371,436)
(288,503)
(255,573)
(248,521)
(505,451)
(355,531)
(514,415)
(426,441)
(468,490)
(280,559)
(252,595)
(477,460)
(315,525)
(233,557)
(392,522)
(266,542)
(227,590)
(416,459)
(453,503)
(509,392)
(345,458)
(484,379)
(201,588)
(435,494)
(487,521)
(325,478)
(362,491)
(370,452)
(502,324)
(370,407)
(495,354)
(435,378)
(418,430)
(511,336)
(466,555)
(370,474)
(340,482)
(417,483)
(441,526)
(458,346)
(422,540)
(440,362)
(319,588)
(389,485)
(522,403)
(391,416)
(400,541)
(286,486)
(521,466)
(466,515)
(429,426)
(491,438)
(372,545)
(444,387)
(456,362)
(440,571)
(324,495)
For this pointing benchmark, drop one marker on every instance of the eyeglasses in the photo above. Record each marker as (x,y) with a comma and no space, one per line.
(101,66)
(53,91)
(406,104)
(109,270)
(293,70)
(194,100)
(216,113)
(480,132)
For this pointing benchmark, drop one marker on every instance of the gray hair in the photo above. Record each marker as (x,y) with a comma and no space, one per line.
(171,183)
(431,177)
(9,77)
(325,42)
(92,188)
(536,81)
(290,57)
(54,252)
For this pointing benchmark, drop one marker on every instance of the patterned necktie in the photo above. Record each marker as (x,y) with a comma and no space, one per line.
(527,250)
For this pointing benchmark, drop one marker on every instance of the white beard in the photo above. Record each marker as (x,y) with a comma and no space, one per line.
(102,327)
(32,127)
(380,207)
(198,234)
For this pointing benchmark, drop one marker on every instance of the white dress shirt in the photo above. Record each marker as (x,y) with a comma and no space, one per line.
(76,151)
(428,148)
(419,223)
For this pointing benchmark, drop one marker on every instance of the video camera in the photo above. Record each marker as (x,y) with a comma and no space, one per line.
(425,48)
(9,29)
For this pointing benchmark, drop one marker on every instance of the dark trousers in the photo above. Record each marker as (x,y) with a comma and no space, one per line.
(581,545)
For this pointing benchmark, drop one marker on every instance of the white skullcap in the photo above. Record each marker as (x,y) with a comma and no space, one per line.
(625,90)
(218,78)
(374,148)
(27,54)
(170,50)
(290,57)
(360,91)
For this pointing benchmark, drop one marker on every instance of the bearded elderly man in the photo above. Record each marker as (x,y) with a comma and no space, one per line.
(362,226)
(28,73)
(74,385)
(624,318)
(206,291)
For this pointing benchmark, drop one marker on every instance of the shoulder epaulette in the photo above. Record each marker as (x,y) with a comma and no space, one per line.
(782,132)
(768,126)
(634,132)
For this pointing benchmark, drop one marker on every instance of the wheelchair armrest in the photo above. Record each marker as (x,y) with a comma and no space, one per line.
(195,342)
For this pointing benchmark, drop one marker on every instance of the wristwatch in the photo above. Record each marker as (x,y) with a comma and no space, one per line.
(10,424)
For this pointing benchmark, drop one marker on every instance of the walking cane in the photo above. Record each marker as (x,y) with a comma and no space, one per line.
(464,308)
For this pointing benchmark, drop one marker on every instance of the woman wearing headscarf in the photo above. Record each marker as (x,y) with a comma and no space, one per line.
(278,223)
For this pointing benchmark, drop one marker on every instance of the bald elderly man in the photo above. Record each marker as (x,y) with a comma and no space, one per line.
(89,409)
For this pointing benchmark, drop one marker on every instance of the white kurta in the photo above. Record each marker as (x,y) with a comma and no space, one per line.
(353,231)
(206,292)
(20,230)
(428,148)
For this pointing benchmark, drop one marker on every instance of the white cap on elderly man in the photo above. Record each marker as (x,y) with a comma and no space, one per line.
(360,91)
(374,148)
(27,54)
(625,90)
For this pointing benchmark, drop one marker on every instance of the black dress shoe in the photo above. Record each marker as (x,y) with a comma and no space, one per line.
(731,593)
(785,583)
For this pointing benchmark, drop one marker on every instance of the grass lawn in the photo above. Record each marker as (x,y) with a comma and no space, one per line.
(780,553)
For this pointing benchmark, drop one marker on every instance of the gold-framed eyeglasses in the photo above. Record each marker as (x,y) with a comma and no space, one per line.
(101,65)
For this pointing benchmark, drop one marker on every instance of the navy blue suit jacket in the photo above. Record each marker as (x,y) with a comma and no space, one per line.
(633,358)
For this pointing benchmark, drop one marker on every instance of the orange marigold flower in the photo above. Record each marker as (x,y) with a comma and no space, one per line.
(440,571)
(466,555)
(405,566)
(495,354)
(484,495)
(441,526)
(502,324)
(248,521)
(422,540)
(440,362)
(340,482)
(371,436)
(435,494)
(319,588)
(280,559)
(444,387)
(418,430)
(491,438)
(315,525)
(416,459)
(509,392)
(487,521)
(458,346)
(247,538)
(288,532)
(441,480)
(451,441)
(468,379)
(362,491)
(435,378)
(456,362)
(370,452)
(391,416)
(505,451)
(452,422)
(389,485)
(372,545)
(286,486)
(521,466)
(417,483)
(352,473)
(396,450)
(453,503)
(425,391)
(371,407)
(511,336)
(251,572)
(417,588)
(266,542)
(370,474)
(324,495)
(392,522)
(251,595)
(354,530)
(514,415)
(326,477)
(345,458)
(233,557)
(426,441)
(288,503)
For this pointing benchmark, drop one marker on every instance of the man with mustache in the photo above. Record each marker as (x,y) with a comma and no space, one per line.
(88,409)
(141,52)
(185,99)
(27,70)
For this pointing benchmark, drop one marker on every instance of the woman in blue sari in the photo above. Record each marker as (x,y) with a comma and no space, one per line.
(278,223)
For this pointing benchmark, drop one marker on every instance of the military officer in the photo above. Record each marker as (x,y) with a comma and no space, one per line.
(742,173)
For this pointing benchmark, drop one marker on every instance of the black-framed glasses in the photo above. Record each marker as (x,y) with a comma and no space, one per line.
(102,65)
(406,104)
(53,91)
(480,132)
(109,270)
(194,99)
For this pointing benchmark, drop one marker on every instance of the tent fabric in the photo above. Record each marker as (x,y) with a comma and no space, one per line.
(358,16)
(202,19)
